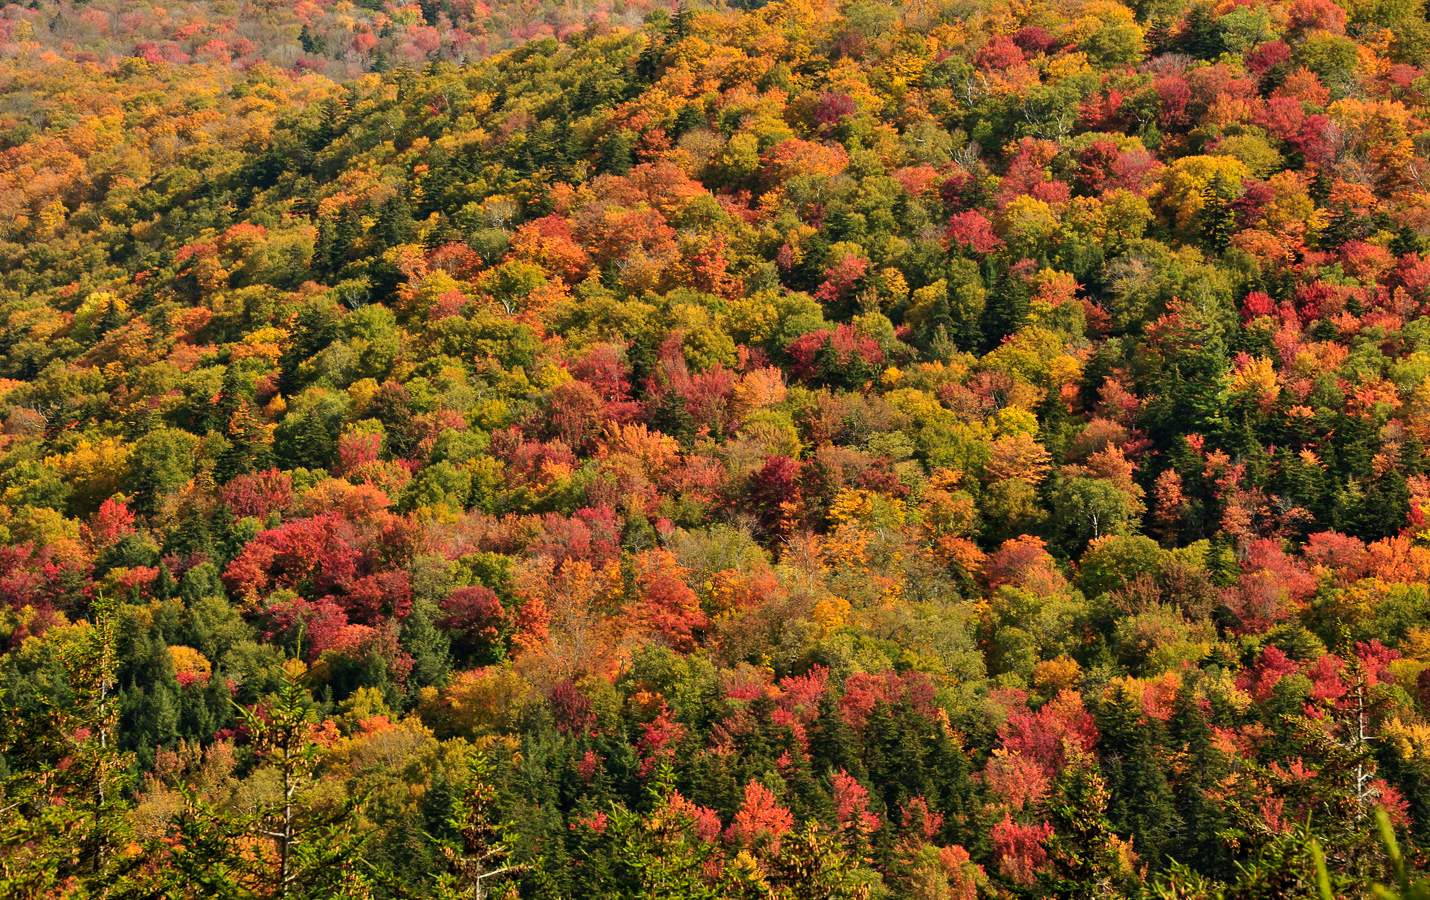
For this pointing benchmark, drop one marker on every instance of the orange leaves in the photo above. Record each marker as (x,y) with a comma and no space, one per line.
(655,452)
(704,265)
(1396,559)
(948,517)
(1371,393)
(1353,198)
(664,603)
(1317,15)
(550,243)
(732,590)
(638,240)
(759,389)
(793,157)
(1018,457)
(1054,288)
(761,820)
(1111,464)
(1169,503)
(1025,562)
(660,185)
(565,623)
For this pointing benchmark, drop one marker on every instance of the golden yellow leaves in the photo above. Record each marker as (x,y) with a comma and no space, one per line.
(95,469)
(1186,182)
(1052,676)
(1028,356)
(868,507)
(261,343)
(1018,457)
(189,663)
(831,613)
(1256,379)
(1027,221)
(1411,740)
(480,702)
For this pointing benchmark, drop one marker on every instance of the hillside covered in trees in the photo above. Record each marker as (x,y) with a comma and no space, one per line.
(927,451)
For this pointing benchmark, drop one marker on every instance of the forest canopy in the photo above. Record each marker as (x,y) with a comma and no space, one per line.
(927,451)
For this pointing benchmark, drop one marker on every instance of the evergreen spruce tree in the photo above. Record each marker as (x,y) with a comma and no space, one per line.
(656,854)
(1086,858)
(64,824)
(808,864)
(617,153)
(1140,803)
(1197,843)
(833,746)
(147,692)
(1218,218)
(250,445)
(227,402)
(394,222)
(112,319)
(1201,35)
(481,857)
(314,849)
(203,855)
(429,648)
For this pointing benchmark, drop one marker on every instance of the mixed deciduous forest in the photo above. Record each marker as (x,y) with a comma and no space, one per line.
(938,450)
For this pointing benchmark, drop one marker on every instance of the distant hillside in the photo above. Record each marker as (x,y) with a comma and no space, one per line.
(340,40)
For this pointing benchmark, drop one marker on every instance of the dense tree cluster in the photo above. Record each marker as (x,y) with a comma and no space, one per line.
(823,450)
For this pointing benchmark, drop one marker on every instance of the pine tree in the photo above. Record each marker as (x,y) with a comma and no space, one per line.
(394,220)
(809,864)
(1140,804)
(658,854)
(63,798)
(147,692)
(164,584)
(192,535)
(112,319)
(1199,767)
(314,329)
(333,112)
(1409,884)
(680,22)
(617,153)
(833,746)
(226,402)
(250,445)
(311,43)
(480,859)
(316,850)
(1159,36)
(648,63)
(1218,218)
(1201,35)
(204,858)
(429,648)
(1086,857)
